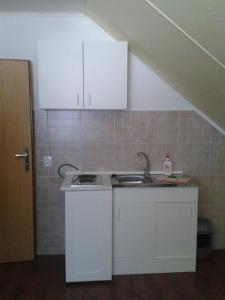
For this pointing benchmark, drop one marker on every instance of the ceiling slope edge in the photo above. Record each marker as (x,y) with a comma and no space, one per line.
(185,34)
(215,117)
(142,56)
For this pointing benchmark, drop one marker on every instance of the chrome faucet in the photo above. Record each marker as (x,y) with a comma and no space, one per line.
(147,168)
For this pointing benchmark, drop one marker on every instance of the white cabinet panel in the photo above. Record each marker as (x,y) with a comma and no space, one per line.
(90,75)
(105,75)
(176,229)
(133,230)
(60,73)
(88,235)
(154,230)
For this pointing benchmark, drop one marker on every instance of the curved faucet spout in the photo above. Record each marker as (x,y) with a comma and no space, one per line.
(147,168)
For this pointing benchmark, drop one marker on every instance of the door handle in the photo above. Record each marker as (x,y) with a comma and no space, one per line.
(25,156)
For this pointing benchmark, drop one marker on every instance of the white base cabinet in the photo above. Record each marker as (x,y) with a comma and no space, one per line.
(154,230)
(88,239)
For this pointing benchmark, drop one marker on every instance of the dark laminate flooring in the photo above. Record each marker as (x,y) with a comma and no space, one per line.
(43,279)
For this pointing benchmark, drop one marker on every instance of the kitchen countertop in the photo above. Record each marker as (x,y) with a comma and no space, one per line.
(156,183)
(103,184)
(104,181)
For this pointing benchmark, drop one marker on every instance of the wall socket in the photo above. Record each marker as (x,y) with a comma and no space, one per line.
(47,162)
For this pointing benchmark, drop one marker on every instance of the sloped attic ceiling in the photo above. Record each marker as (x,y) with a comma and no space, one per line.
(183,41)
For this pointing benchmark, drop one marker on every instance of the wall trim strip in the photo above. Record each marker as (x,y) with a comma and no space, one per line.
(186,34)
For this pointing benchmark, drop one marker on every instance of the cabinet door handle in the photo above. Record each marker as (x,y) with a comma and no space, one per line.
(118,215)
(89,99)
(191,213)
(78,99)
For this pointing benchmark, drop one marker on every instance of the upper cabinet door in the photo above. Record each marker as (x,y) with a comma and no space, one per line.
(105,75)
(60,71)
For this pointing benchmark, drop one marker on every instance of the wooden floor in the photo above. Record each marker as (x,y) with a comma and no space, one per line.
(43,279)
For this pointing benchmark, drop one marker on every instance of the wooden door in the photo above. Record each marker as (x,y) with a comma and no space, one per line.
(16,190)
(105,75)
(60,73)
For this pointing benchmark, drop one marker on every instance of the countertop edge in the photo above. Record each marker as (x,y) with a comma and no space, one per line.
(107,182)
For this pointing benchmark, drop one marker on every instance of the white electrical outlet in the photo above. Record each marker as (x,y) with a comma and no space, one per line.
(47,162)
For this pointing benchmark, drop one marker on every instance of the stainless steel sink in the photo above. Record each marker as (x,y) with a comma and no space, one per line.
(130,179)
(137,180)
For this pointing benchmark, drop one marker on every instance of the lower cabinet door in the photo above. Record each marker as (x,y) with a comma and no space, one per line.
(176,229)
(133,232)
(154,230)
(88,219)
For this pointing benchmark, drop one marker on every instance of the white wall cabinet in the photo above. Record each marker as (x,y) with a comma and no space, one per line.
(88,75)
(88,239)
(60,69)
(154,230)
(105,75)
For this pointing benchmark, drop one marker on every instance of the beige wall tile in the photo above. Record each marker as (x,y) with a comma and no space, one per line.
(103,134)
(40,127)
(97,119)
(40,170)
(125,157)
(194,129)
(60,135)
(216,182)
(60,114)
(107,140)
(217,158)
(64,123)
(157,152)
(75,158)
(194,158)
(97,157)
(165,127)
(131,127)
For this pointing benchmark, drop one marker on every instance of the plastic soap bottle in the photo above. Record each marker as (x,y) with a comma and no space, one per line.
(167,166)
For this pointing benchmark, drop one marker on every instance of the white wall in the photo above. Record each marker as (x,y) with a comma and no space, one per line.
(20,36)
(19,39)
(148,92)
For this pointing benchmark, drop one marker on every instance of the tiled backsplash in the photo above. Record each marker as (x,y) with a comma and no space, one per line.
(105,140)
